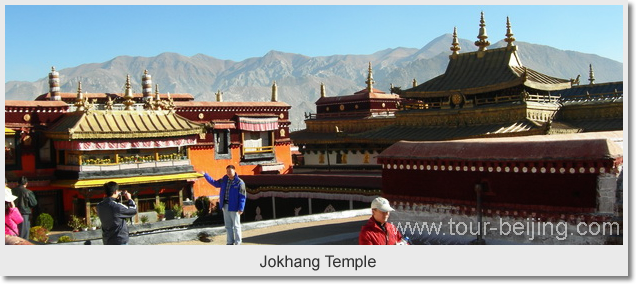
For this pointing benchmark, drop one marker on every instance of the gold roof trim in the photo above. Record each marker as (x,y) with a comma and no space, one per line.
(126,180)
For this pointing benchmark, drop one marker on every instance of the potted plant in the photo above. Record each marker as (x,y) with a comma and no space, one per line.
(178,210)
(39,234)
(75,223)
(160,208)
(144,219)
(45,220)
(94,219)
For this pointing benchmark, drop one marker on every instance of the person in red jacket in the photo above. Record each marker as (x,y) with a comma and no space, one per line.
(378,231)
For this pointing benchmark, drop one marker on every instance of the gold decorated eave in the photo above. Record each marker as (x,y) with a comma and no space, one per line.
(75,184)
(122,125)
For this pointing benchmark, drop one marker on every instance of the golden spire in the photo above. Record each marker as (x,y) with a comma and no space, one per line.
(509,39)
(79,101)
(128,95)
(482,43)
(323,92)
(591,75)
(274,92)
(370,80)
(157,103)
(219,96)
(414,83)
(455,45)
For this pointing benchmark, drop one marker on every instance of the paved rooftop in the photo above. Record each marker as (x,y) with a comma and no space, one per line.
(325,232)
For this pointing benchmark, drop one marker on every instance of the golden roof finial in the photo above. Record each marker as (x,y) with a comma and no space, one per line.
(482,43)
(509,35)
(414,83)
(591,75)
(274,92)
(219,96)
(455,45)
(323,92)
(79,91)
(157,103)
(79,101)
(128,95)
(370,80)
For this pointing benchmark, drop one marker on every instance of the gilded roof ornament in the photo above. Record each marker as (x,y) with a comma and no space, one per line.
(128,95)
(323,92)
(109,104)
(482,43)
(370,80)
(158,103)
(591,75)
(509,35)
(157,97)
(274,92)
(455,45)
(414,83)
(219,96)
(79,101)
(82,103)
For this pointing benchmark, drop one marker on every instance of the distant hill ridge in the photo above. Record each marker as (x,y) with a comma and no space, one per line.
(298,76)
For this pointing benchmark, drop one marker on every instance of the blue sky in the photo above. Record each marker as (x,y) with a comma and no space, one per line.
(38,37)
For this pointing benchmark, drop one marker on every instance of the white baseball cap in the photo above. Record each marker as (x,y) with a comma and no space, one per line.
(382,204)
(8,196)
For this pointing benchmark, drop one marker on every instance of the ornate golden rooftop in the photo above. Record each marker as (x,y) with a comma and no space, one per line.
(106,124)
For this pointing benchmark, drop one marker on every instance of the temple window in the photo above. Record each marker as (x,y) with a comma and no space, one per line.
(45,153)
(257,142)
(222,141)
(10,156)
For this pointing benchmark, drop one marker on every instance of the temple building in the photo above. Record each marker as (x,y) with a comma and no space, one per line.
(325,143)
(152,144)
(486,93)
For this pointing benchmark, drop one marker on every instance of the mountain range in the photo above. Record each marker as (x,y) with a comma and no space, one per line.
(298,76)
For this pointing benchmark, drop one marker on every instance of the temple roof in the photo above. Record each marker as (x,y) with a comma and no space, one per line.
(603,89)
(73,96)
(56,104)
(122,125)
(485,71)
(230,104)
(394,133)
(363,95)
(533,148)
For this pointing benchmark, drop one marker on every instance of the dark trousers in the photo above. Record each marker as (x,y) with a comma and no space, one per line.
(25,226)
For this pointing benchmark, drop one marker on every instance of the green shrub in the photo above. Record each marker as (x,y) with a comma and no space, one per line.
(75,223)
(44,220)
(160,208)
(39,234)
(202,203)
(144,219)
(177,209)
(64,239)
